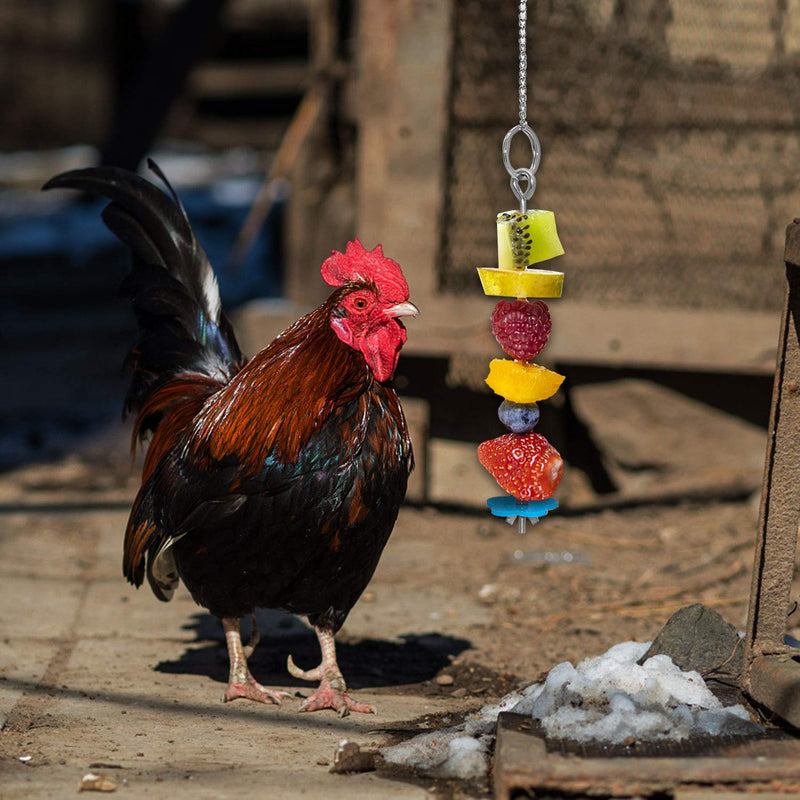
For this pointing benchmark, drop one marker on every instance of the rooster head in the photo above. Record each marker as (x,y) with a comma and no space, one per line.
(374,296)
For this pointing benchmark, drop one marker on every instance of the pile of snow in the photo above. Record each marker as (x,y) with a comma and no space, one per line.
(609,699)
(458,752)
(448,753)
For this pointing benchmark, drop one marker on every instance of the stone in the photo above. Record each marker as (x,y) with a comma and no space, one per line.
(654,440)
(698,638)
(349,757)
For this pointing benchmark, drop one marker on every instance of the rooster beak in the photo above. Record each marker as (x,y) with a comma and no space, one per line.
(402,310)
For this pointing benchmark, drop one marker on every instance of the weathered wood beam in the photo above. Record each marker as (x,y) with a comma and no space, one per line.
(772,676)
(403,85)
(736,342)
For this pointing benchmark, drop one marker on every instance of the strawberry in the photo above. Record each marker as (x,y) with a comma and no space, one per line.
(526,466)
(521,327)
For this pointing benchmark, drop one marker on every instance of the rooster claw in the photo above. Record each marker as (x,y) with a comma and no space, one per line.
(252,690)
(341,702)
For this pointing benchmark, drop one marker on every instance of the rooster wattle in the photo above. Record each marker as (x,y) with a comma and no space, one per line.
(268,483)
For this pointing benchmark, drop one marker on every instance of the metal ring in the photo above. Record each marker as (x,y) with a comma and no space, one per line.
(523,196)
(529,177)
(535,147)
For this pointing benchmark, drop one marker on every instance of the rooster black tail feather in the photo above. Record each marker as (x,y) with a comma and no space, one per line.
(172,286)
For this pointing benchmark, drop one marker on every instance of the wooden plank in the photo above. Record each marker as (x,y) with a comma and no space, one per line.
(234,78)
(220,133)
(523,765)
(711,794)
(681,339)
(625,336)
(456,476)
(680,445)
(774,682)
(417,414)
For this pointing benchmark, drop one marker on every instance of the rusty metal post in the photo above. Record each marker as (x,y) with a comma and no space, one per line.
(771,676)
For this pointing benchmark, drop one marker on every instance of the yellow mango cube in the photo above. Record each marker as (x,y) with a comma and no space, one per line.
(520,382)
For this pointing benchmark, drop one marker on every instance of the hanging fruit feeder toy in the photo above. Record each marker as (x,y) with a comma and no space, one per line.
(522,462)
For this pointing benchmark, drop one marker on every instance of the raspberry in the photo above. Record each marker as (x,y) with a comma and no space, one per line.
(521,327)
(526,466)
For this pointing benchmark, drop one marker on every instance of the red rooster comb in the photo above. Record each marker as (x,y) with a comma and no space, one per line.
(358,264)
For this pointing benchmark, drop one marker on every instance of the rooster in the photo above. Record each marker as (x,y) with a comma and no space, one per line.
(273,482)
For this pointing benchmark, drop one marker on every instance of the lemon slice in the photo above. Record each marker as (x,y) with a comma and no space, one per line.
(521,282)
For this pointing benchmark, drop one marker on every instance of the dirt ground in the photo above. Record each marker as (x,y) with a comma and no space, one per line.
(461,610)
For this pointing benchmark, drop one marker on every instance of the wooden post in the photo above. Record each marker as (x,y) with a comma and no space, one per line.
(319,216)
(771,676)
(403,85)
(150,94)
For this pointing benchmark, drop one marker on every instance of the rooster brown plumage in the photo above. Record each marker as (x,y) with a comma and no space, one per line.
(268,483)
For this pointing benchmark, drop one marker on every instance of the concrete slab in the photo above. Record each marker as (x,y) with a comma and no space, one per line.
(93,671)
(118,609)
(167,734)
(456,476)
(206,780)
(32,608)
(27,544)
(22,666)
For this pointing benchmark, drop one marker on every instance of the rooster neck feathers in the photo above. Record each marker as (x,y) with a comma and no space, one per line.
(286,393)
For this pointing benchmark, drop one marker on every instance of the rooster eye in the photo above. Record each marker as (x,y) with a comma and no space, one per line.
(360,303)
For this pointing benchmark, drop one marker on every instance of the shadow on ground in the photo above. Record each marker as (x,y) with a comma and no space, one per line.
(364,662)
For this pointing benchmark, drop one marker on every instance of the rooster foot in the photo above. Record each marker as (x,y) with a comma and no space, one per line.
(332,690)
(240,682)
(251,689)
(327,696)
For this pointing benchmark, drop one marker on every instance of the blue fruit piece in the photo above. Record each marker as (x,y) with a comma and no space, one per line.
(506,506)
(518,417)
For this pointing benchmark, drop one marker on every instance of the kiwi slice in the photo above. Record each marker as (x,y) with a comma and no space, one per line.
(526,238)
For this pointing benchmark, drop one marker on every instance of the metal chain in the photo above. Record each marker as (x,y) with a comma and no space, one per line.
(523,62)
(523,180)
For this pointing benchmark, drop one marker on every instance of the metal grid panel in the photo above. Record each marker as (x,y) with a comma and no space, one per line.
(669,132)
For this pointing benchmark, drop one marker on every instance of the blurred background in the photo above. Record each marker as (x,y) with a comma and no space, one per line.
(671,159)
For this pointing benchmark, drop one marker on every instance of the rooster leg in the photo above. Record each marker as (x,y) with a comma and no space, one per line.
(255,637)
(240,682)
(332,690)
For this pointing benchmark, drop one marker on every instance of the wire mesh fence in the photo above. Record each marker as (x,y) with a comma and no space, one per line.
(670,144)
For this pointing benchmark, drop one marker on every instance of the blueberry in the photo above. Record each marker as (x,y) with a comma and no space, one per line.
(518,417)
